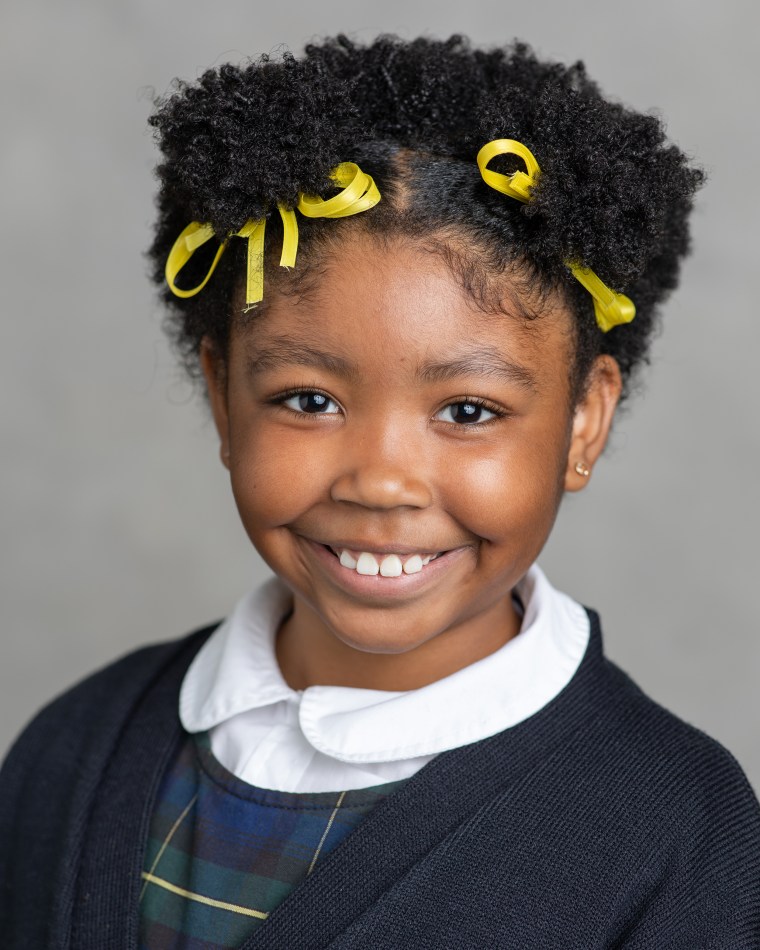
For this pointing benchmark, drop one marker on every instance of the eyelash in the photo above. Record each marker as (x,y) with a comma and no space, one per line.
(497,411)
(282,398)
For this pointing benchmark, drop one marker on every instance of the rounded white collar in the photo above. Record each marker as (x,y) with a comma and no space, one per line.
(236,671)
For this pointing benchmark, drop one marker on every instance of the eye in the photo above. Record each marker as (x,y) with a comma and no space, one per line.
(309,401)
(467,412)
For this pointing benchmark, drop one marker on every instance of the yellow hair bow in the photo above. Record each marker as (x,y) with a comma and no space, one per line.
(610,308)
(358,193)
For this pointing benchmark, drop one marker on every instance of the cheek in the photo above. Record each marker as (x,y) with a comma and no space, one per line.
(274,479)
(511,492)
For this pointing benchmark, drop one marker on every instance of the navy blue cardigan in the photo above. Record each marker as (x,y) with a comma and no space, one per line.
(600,822)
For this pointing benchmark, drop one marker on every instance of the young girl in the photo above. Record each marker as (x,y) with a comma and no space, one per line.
(417,279)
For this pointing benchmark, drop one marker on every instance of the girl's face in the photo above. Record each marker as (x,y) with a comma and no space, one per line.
(383,417)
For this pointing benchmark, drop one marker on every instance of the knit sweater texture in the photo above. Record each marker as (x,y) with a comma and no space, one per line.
(602,821)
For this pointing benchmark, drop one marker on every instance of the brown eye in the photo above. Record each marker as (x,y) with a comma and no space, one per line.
(310,402)
(466,413)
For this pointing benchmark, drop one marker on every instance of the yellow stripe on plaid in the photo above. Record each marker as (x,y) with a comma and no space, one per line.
(326,832)
(202,899)
(166,841)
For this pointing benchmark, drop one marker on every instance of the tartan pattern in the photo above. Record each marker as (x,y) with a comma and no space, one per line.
(222,854)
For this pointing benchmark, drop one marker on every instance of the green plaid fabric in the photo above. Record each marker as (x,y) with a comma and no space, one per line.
(223,854)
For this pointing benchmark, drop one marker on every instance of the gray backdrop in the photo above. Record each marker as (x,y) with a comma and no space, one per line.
(117,525)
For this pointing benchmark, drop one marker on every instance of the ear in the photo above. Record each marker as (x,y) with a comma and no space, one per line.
(592,421)
(215,374)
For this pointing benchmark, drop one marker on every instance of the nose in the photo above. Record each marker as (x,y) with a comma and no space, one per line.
(380,474)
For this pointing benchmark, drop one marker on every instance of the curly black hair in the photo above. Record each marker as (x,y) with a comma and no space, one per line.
(613,194)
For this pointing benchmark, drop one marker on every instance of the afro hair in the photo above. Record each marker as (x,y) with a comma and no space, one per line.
(613,194)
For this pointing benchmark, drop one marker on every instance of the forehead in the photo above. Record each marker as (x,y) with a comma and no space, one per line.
(376,306)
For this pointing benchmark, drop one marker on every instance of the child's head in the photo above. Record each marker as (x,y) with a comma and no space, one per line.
(430,376)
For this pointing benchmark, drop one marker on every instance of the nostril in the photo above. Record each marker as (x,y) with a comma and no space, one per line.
(381,488)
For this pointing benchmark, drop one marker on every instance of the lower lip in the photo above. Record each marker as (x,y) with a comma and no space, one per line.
(375,585)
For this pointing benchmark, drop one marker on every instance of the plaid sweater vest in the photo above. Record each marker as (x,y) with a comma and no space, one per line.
(222,854)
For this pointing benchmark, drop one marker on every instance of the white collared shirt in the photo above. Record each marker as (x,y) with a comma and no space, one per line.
(328,738)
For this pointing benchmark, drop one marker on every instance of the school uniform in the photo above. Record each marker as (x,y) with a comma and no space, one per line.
(186,796)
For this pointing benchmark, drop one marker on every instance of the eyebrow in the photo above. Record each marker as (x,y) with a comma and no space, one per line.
(285,351)
(480,361)
(474,361)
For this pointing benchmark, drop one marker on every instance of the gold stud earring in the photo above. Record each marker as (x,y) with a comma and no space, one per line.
(581,469)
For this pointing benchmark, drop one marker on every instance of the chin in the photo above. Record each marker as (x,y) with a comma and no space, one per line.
(383,634)
(385,641)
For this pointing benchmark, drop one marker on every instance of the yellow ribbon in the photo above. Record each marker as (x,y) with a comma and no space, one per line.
(518,184)
(358,193)
(610,308)
(194,236)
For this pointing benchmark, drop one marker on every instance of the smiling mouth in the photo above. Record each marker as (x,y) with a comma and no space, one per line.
(370,564)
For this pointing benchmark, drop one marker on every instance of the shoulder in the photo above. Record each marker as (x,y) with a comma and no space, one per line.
(657,788)
(683,802)
(642,809)
(663,748)
(50,780)
(99,702)
(679,789)
(643,748)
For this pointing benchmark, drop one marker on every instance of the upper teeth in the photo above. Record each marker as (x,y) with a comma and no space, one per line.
(389,565)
